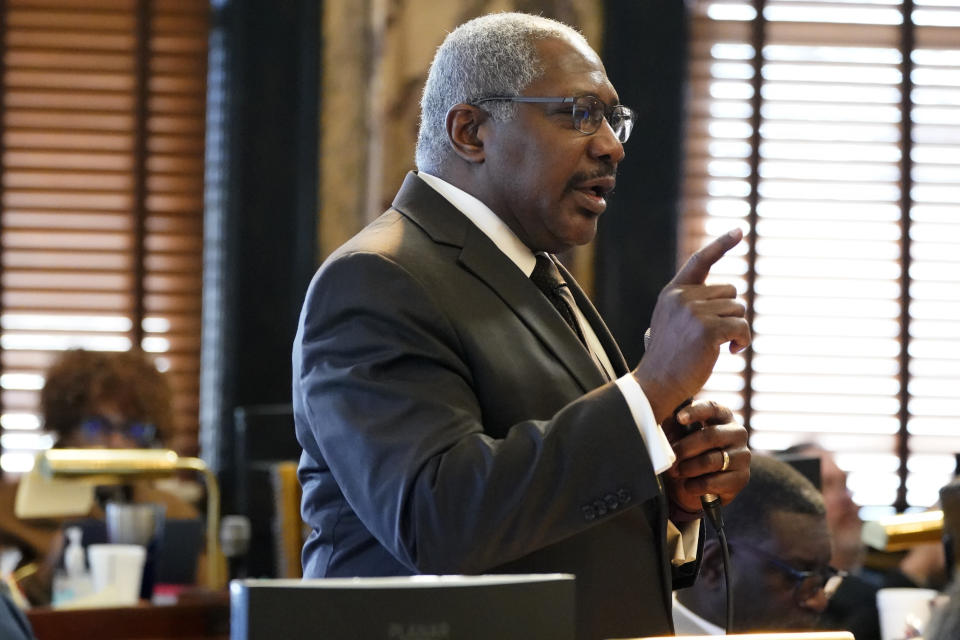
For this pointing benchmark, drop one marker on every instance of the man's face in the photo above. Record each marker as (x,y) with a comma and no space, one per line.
(766,595)
(543,177)
(842,513)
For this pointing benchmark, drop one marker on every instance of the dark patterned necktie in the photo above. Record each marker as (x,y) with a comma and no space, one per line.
(548,279)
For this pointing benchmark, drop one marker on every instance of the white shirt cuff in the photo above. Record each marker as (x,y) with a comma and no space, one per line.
(661,453)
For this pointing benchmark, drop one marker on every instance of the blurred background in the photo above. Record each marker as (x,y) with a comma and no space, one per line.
(173,171)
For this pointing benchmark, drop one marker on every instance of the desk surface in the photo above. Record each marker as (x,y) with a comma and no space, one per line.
(201,620)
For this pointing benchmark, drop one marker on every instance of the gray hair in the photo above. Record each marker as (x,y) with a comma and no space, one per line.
(493,55)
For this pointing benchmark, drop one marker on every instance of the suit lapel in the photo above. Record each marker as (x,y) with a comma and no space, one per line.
(479,255)
(431,212)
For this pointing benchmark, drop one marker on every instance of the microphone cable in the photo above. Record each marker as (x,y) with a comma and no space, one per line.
(711,507)
(716,519)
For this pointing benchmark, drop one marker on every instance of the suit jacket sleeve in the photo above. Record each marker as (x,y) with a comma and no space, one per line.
(387,375)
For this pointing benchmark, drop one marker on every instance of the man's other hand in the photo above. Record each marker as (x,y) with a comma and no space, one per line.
(700,455)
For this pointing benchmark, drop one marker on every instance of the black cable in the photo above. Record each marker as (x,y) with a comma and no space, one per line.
(716,519)
(711,507)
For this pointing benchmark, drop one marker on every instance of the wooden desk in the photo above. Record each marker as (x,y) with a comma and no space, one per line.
(209,619)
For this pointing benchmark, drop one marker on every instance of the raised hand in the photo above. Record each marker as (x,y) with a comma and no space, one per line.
(690,322)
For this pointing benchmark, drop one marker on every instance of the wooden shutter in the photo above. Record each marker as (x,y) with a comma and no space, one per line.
(103,106)
(852,272)
(933,422)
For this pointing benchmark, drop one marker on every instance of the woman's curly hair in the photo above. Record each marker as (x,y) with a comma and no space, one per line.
(80,381)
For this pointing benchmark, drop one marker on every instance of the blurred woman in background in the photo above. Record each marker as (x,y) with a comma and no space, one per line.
(93,399)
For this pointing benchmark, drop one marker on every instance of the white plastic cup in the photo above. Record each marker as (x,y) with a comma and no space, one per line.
(118,567)
(904,612)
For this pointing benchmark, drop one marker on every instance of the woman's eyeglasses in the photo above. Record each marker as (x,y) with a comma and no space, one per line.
(98,429)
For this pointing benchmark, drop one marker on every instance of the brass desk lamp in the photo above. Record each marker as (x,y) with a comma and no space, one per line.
(902,531)
(115,466)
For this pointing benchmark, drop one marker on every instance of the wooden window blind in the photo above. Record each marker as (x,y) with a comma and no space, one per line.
(829,130)
(101,172)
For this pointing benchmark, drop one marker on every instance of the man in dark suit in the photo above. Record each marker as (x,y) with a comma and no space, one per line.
(454,418)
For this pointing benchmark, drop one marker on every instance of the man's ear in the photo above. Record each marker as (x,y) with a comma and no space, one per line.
(711,564)
(463,131)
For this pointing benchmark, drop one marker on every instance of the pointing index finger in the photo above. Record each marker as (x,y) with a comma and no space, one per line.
(697,266)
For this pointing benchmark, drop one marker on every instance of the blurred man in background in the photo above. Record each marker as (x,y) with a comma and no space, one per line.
(780,552)
(853,607)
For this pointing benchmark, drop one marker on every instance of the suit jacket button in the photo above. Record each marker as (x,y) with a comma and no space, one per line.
(611,500)
(588,513)
(601,507)
(624,496)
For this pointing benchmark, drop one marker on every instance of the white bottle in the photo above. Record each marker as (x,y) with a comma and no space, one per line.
(74,581)
(73,557)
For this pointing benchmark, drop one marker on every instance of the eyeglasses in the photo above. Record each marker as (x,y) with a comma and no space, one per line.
(588,113)
(807,584)
(98,429)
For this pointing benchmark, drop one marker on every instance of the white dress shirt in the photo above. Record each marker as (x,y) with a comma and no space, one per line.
(686,622)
